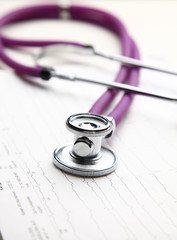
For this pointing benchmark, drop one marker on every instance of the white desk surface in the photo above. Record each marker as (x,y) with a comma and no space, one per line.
(137,201)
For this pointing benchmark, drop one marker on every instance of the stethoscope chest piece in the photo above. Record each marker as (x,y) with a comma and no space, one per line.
(86,156)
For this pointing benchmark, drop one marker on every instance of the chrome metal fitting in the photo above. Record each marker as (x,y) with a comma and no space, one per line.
(64,13)
(86,156)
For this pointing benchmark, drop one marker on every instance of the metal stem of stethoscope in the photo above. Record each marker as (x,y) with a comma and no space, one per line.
(120,86)
(90,50)
(134,62)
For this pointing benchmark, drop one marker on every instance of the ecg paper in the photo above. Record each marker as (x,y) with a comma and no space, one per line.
(38,201)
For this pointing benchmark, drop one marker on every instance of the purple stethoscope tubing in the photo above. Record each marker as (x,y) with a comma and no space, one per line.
(78,13)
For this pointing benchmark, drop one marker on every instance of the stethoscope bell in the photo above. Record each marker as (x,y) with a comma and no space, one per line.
(86,156)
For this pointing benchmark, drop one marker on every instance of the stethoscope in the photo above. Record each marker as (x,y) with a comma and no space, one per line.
(86,156)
